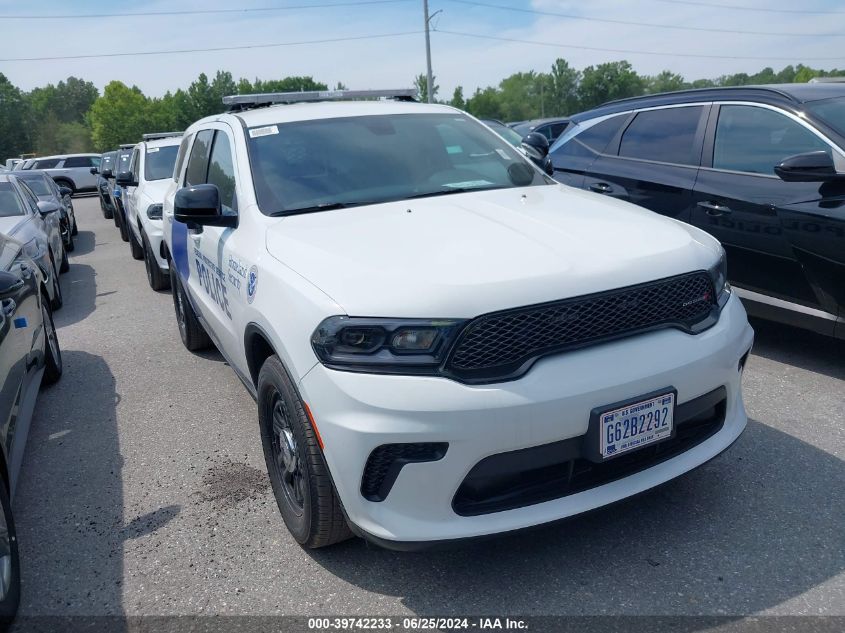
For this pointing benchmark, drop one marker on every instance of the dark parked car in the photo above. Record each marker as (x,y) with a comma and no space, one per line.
(29,357)
(760,168)
(46,189)
(121,164)
(550,128)
(105,172)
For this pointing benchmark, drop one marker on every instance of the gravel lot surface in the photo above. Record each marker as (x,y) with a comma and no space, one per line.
(144,491)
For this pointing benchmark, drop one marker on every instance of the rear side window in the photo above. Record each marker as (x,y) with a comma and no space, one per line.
(180,158)
(592,140)
(666,135)
(48,163)
(198,161)
(221,171)
(10,202)
(78,161)
(754,140)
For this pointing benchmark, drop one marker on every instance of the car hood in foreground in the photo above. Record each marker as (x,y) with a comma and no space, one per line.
(10,225)
(466,254)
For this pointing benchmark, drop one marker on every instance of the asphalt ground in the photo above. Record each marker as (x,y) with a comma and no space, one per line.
(143,491)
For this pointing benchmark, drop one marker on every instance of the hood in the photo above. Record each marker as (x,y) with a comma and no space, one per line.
(154,190)
(462,255)
(12,224)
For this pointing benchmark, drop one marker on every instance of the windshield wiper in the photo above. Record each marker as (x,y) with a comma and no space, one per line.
(325,206)
(451,190)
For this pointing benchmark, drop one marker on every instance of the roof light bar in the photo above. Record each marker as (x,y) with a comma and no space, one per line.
(157,135)
(126,145)
(254,100)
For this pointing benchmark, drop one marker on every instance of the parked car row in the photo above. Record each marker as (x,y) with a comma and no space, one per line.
(37,225)
(72,171)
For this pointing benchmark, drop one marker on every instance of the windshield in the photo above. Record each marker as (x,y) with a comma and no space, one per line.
(159,162)
(10,202)
(831,112)
(38,186)
(123,159)
(107,161)
(509,134)
(330,163)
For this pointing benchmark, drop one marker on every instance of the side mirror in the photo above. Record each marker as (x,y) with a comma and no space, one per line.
(199,205)
(107,173)
(94,171)
(9,284)
(536,143)
(126,179)
(548,166)
(65,191)
(808,167)
(47,207)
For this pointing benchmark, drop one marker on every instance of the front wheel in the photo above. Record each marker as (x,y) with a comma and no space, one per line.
(10,571)
(298,473)
(193,335)
(134,247)
(57,301)
(158,279)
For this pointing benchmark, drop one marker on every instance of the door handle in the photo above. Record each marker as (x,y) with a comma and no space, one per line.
(601,187)
(714,209)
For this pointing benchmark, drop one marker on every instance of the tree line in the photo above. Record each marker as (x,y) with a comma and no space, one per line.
(72,116)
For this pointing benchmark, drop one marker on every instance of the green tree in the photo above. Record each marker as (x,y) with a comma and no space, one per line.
(485,104)
(666,81)
(458,99)
(606,82)
(120,115)
(565,80)
(421,84)
(14,120)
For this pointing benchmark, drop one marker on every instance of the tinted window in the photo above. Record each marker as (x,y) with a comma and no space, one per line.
(48,163)
(29,197)
(78,161)
(10,203)
(221,172)
(108,161)
(830,111)
(135,164)
(180,159)
(306,165)
(123,159)
(198,162)
(38,185)
(159,161)
(556,129)
(755,139)
(663,135)
(591,140)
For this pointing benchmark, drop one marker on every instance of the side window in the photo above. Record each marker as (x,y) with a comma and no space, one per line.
(78,161)
(556,129)
(221,171)
(29,198)
(666,135)
(754,140)
(48,163)
(546,131)
(592,140)
(135,165)
(198,162)
(180,158)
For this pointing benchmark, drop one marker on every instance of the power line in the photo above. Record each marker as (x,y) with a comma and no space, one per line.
(736,7)
(635,52)
(197,11)
(646,24)
(208,50)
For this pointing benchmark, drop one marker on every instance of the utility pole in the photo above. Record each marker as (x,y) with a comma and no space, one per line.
(429,88)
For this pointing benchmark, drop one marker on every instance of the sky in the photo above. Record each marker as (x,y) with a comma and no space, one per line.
(810,32)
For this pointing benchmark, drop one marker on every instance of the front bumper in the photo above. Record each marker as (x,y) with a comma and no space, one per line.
(355,413)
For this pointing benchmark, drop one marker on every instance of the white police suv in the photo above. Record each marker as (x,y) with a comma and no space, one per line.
(150,173)
(442,341)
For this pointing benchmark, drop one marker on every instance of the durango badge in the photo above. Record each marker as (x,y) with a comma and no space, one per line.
(251,284)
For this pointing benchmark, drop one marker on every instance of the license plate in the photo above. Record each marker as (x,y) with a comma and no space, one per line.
(636,425)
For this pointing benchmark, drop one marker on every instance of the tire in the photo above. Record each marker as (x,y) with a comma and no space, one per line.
(69,246)
(136,249)
(298,472)
(108,212)
(193,335)
(75,230)
(124,230)
(10,568)
(158,279)
(52,352)
(57,300)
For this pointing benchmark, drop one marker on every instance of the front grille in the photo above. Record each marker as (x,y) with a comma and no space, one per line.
(385,462)
(502,345)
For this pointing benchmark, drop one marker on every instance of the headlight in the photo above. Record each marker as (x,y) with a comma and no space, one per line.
(154,212)
(719,275)
(32,249)
(384,345)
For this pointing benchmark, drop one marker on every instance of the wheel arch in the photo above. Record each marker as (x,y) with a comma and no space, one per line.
(257,348)
(65,179)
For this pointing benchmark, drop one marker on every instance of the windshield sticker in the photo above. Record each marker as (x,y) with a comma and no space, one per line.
(468,184)
(267,130)
(252,284)
(454,149)
(503,154)
(150,150)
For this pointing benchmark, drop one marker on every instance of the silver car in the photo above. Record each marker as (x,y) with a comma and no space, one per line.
(35,224)
(68,170)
